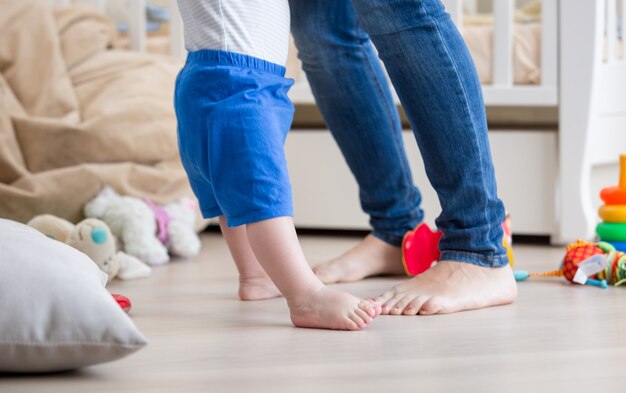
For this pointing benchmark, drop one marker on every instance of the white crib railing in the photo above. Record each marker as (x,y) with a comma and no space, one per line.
(455,9)
(503,42)
(549,43)
(614,11)
(137,23)
(99,4)
(503,13)
(177,45)
(501,92)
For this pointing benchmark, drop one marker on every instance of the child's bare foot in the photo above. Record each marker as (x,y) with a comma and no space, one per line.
(257,288)
(371,257)
(449,287)
(328,308)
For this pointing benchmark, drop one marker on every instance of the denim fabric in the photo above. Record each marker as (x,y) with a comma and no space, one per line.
(353,95)
(233,117)
(434,76)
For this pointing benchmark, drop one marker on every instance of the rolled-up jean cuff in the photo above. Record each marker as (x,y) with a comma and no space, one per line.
(475,259)
(392,240)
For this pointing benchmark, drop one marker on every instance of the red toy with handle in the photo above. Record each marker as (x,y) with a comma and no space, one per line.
(420,247)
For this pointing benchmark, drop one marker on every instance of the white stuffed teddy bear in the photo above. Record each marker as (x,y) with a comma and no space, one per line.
(146,230)
(93,238)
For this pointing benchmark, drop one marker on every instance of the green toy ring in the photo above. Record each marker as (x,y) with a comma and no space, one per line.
(613,213)
(611,232)
(613,195)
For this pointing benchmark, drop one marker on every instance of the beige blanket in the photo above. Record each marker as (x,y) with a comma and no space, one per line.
(76,115)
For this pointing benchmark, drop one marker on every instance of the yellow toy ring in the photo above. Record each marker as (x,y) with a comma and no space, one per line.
(613,213)
(611,232)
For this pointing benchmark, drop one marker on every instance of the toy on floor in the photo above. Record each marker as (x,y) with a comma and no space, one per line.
(146,230)
(602,263)
(597,264)
(613,213)
(420,247)
(93,238)
(123,301)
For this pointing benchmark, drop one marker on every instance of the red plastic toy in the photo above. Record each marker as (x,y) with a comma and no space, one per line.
(420,247)
(123,301)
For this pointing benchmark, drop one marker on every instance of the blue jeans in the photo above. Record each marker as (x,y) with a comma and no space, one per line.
(434,76)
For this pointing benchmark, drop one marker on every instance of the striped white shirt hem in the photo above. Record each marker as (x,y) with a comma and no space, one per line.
(258,28)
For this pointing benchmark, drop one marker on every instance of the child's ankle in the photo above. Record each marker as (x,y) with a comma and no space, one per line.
(257,288)
(246,278)
(304,294)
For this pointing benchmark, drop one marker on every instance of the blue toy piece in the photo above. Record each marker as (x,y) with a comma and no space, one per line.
(521,275)
(597,283)
(619,246)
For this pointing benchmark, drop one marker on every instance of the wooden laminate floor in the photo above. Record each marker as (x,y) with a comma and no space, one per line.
(556,338)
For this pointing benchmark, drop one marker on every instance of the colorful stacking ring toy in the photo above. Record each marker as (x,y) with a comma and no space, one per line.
(616,195)
(613,196)
(611,232)
(613,213)
(619,246)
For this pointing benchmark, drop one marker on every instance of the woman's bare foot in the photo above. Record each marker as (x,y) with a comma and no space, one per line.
(327,308)
(449,287)
(371,257)
(257,288)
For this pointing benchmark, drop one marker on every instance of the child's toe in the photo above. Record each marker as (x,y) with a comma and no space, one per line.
(369,308)
(363,315)
(357,321)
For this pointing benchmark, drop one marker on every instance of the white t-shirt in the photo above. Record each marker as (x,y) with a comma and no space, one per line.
(258,28)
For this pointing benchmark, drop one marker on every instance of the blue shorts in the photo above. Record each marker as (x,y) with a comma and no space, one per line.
(233,117)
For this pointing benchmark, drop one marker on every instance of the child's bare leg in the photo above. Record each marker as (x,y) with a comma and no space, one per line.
(254,283)
(311,303)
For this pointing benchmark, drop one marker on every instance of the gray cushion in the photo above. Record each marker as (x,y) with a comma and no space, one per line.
(55,313)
